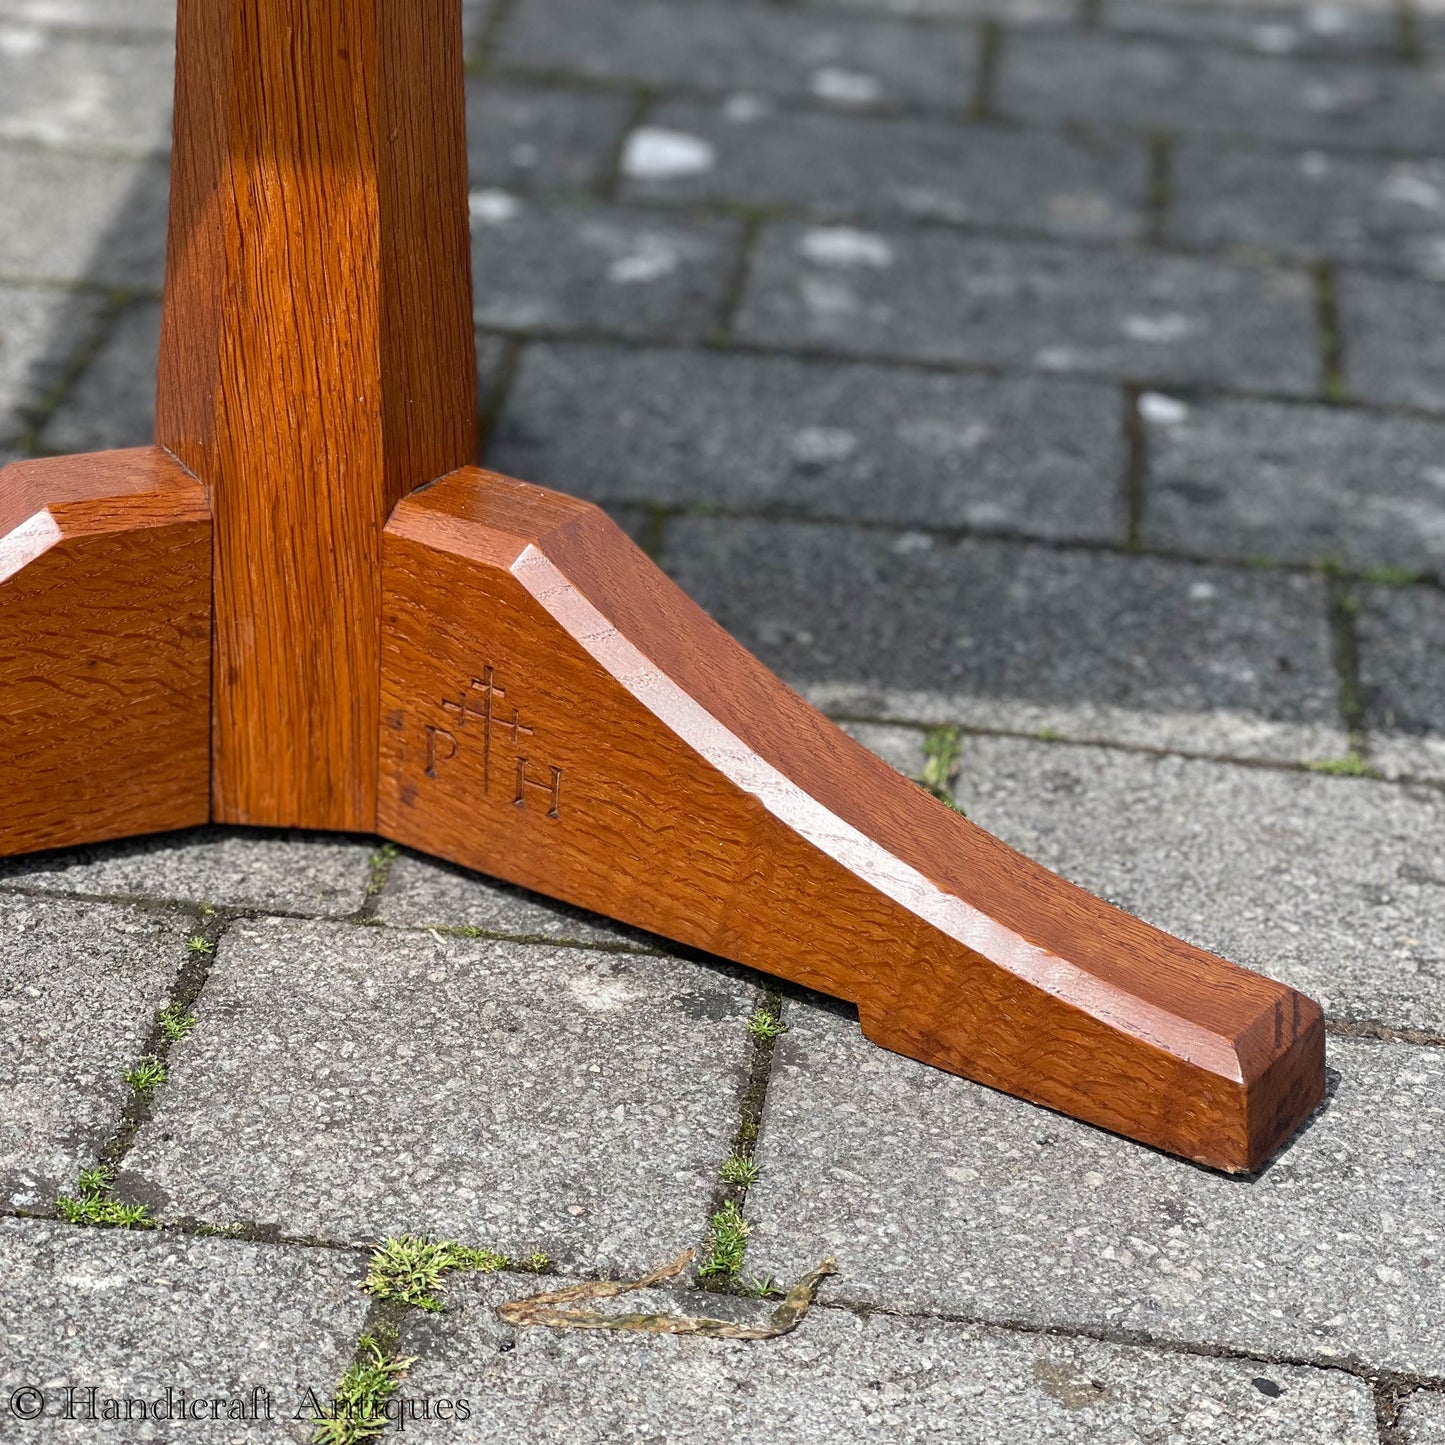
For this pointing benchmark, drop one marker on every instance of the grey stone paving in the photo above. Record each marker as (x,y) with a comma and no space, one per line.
(352,1083)
(526,138)
(840,165)
(931,296)
(1402,639)
(305,873)
(1208,90)
(59,89)
(940,1195)
(135,14)
(1395,354)
(1015,12)
(836,59)
(135,1314)
(113,402)
(844,1376)
(1346,31)
(974,360)
(704,429)
(999,635)
(1422,1420)
(1310,204)
(1294,483)
(79,989)
(637,273)
(423,893)
(122,200)
(1335,885)
(43,331)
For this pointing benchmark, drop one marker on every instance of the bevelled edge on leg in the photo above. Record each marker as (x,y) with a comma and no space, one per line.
(105,645)
(557,713)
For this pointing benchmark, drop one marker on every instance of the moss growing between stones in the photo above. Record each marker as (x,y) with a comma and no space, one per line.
(358,1411)
(409,1270)
(727,1242)
(91,1204)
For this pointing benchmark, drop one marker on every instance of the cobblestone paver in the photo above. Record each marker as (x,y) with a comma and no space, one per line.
(1065,373)
(329,1098)
(136,1316)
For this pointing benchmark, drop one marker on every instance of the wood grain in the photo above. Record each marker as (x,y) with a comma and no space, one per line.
(556,713)
(105,628)
(317,359)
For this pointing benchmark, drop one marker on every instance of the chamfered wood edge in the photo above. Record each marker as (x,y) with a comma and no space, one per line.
(104,649)
(93,492)
(1253,1046)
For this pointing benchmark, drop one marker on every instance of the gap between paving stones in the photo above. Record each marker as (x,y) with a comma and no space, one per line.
(171,1022)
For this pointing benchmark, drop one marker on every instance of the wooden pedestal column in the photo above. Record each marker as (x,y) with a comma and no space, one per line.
(317,360)
(492,672)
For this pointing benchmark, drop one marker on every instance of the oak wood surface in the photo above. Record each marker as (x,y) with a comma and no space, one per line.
(555,712)
(317,359)
(105,629)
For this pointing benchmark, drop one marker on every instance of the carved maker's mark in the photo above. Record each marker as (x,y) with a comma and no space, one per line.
(483,704)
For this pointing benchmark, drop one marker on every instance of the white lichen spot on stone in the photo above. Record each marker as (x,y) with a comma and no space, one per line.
(654,153)
(1328,19)
(932,204)
(817,446)
(1202,591)
(1160,330)
(1275,39)
(1162,410)
(600,993)
(21,41)
(845,87)
(652,258)
(939,438)
(828,299)
(1330,97)
(911,542)
(744,109)
(843,246)
(493,207)
(1057,358)
(1406,186)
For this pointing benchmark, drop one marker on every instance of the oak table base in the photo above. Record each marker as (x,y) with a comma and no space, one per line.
(302,608)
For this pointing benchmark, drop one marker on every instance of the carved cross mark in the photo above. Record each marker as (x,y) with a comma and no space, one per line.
(465,708)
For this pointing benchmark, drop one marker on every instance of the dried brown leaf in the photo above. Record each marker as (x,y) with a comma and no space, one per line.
(542,1309)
